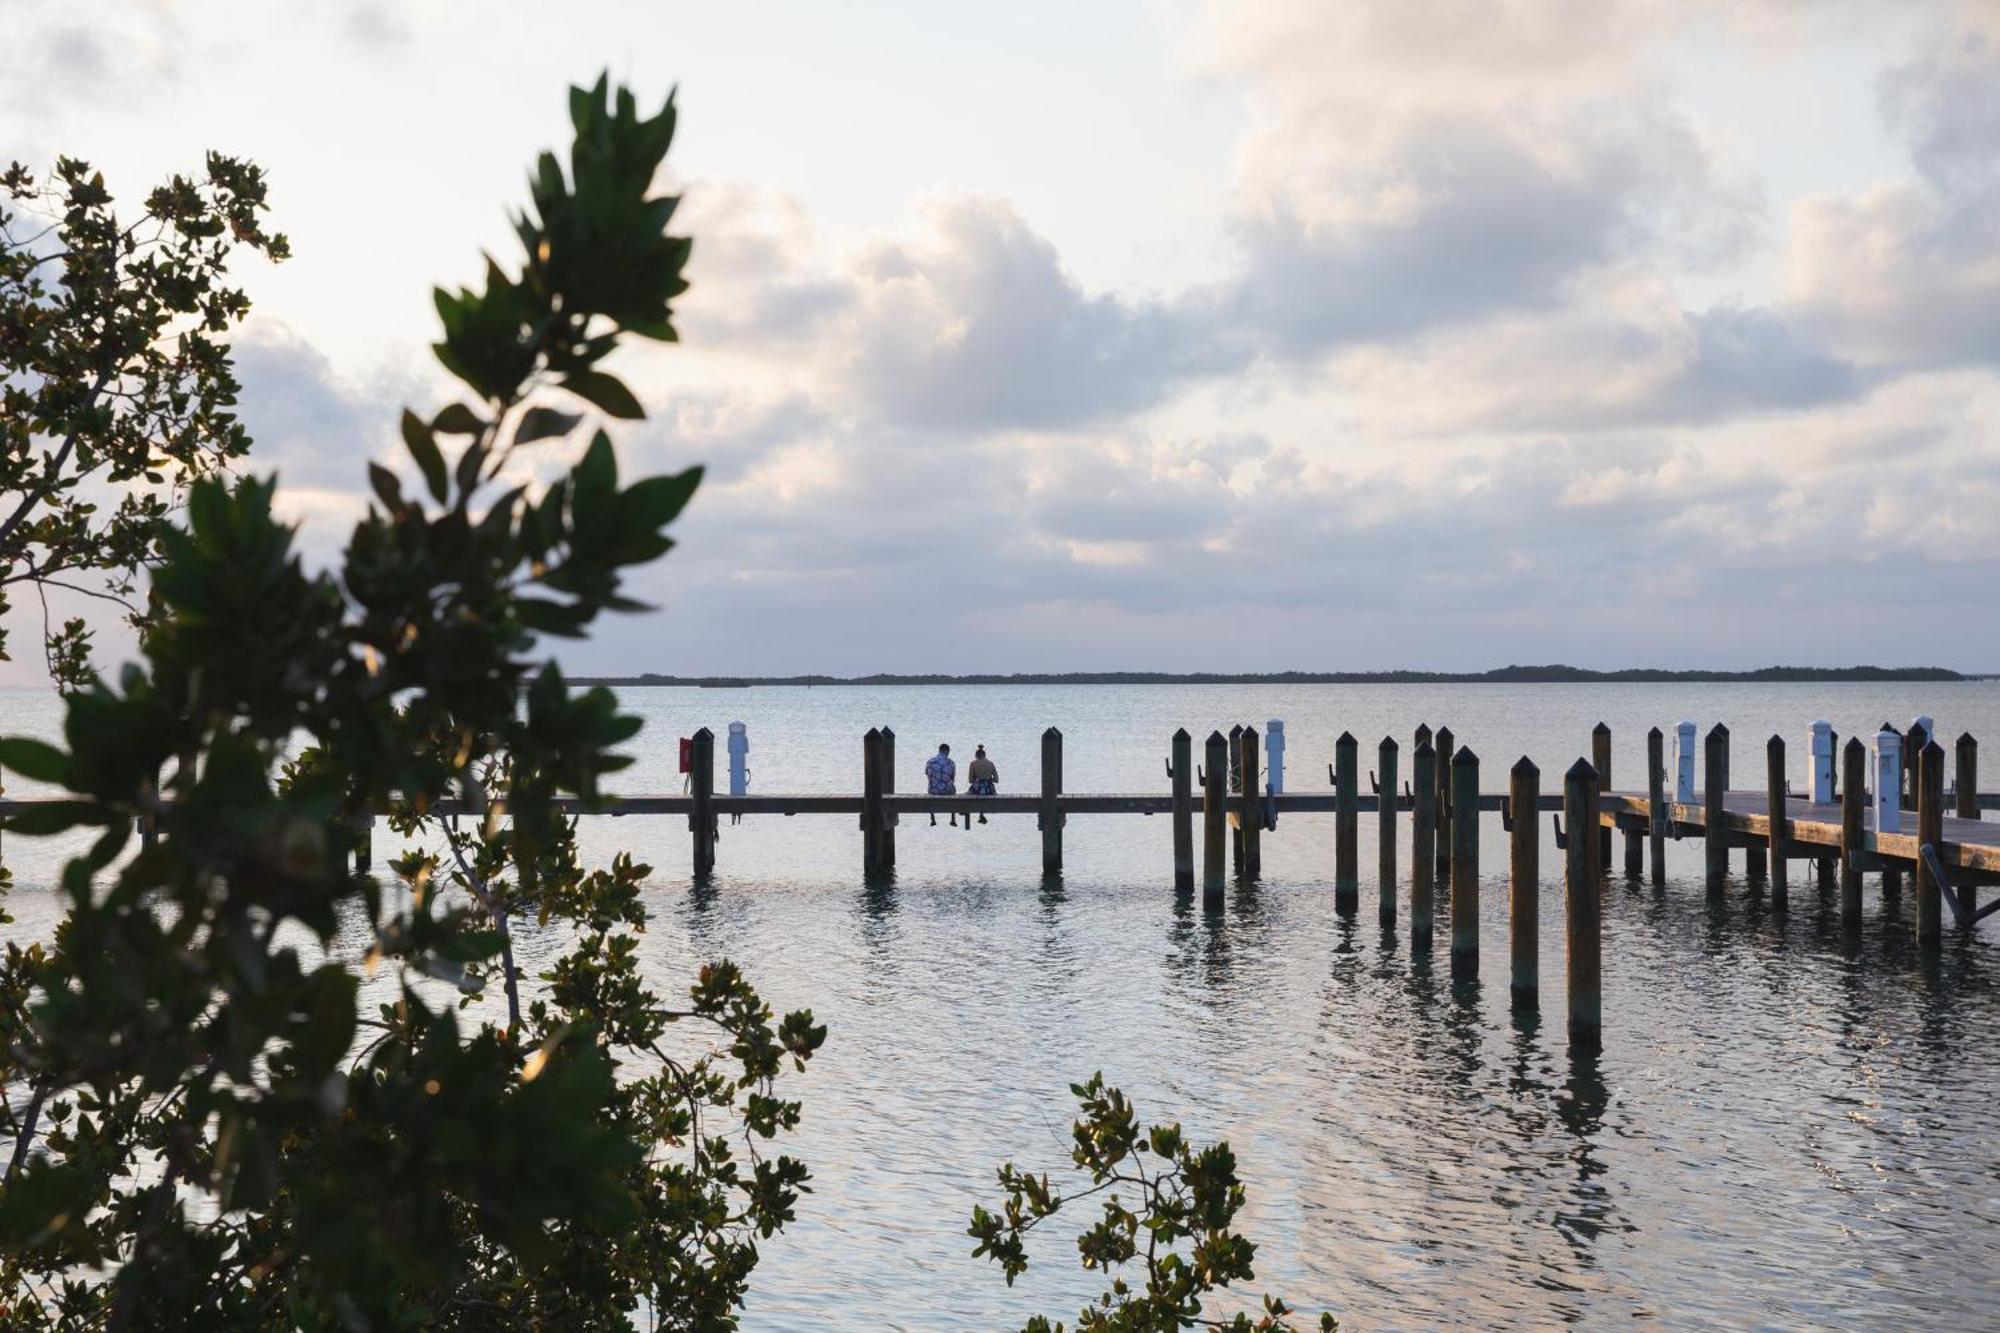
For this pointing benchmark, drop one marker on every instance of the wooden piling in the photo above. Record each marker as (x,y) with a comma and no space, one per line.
(1252,817)
(1582,910)
(1444,744)
(1966,776)
(872,866)
(364,843)
(1715,782)
(1423,841)
(702,788)
(1346,824)
(1853,804)
(1236,788)
(1774,788)
(1524,893)
(1656,793)
(1930,833)
(1051,813)
(1465,865)
(1600,759)
(1914,741)
(888,843)
(1181,769)
(1385,816)
(1214,816)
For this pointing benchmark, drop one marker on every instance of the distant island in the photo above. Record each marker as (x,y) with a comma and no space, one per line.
(1507,675)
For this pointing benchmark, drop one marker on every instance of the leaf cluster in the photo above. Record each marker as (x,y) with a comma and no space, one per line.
(1178,1228)
(251,1086)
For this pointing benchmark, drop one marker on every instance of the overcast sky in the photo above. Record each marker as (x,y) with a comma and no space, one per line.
(1170,335)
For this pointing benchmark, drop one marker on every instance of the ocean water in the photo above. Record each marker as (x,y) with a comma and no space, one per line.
(1787,1126)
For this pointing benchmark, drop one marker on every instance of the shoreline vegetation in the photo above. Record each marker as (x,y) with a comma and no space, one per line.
(1507,675)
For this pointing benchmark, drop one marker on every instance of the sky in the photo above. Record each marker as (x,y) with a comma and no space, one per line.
(1163,334)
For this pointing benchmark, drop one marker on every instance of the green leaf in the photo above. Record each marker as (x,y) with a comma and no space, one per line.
(458,419)
(659,500)
(607,392)
(35,759)
(386,486)
(424,449)
(46,817)
(541,423)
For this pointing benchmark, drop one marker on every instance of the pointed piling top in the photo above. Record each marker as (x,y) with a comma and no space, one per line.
(1235,731)
(1346,741)
(1423,732)
(1656,735)
(1388,743)
(873,731)
(1855,746)
(1933,748)
(1601,729)
(1443,736)
(1181,734)
(1580,771)
(1965,738)
(704,734)
(1424,749)
(887,733)
(1524,767)
(1465,758)
(1217,738)
(1718,731)
(1776,745)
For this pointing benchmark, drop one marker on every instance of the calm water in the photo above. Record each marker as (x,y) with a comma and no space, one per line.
(1785,1128)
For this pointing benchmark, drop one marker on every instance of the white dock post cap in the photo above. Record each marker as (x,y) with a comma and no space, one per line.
(1888,781)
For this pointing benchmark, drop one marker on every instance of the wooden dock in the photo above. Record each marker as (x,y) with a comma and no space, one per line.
(1948,855)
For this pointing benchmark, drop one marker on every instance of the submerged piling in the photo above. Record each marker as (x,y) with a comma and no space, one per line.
(1423,841)
(1346,824)
(1524,891)
(1465,865)
(1582,910)
(1385,816)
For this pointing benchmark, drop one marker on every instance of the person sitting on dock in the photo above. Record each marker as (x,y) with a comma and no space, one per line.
(982,777)
(942,775)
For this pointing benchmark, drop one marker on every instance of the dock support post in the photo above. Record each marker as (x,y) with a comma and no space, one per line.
(1052,819)
(1444,757)
(1465,865)
(1715,825)
(1967,779)
(1214,817)
(1252,818)
(1524,896)
(888,788)
(1236,787)
(1892,794)
(1853,803)
(1181,769)
(1423,841)
(1781,825)
(1930,833)
(871,804)
(1600,759)
(1346,824)
(702,786)
(1385,816)
(1582,910)
(1656,795)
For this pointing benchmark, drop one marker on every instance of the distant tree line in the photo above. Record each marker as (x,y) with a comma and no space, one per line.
(1507,675)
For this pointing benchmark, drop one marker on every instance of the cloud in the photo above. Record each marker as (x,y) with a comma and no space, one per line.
(315,427)
(1907,273)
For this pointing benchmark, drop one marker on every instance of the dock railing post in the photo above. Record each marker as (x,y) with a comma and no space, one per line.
(1444,744)
(1600,759)
(1423,842)
(1465,865)
(1214,817)
(1052,818)
(1656,795)
(1346,824)
(871,804)
(1385,816)
(1930,833)
(1853,810)
(702,786)
(1181,769)
(1251,819)
(888,789)
(1582,910)
(1781,829)
(1966,776)
(1524,895)
(1715,822)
